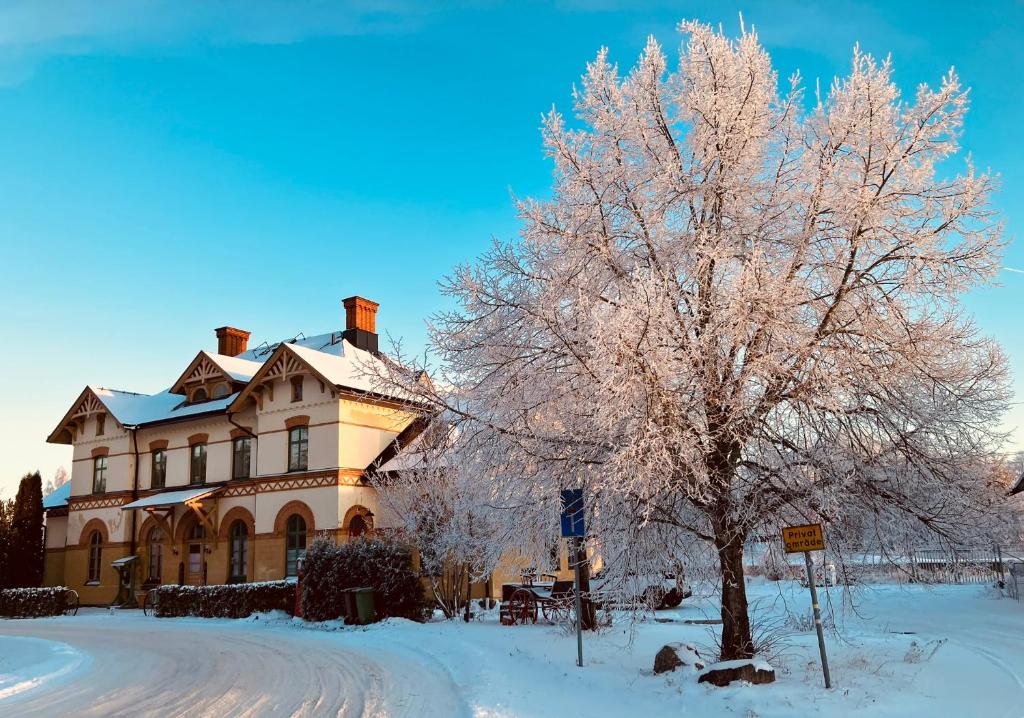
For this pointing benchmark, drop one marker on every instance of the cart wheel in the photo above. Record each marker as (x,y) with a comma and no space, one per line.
(558,610)
(522,607)
(70,602)
(151,605)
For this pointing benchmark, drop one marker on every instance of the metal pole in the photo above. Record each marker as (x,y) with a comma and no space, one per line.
(579,606)
(817,618)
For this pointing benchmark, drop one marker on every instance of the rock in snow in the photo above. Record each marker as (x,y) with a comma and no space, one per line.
(674,655)
(752,670)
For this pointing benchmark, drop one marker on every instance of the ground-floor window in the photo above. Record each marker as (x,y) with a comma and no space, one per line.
(95,556)
(239,547)
(295,543)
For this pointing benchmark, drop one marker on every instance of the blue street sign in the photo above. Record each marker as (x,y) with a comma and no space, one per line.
(572,513)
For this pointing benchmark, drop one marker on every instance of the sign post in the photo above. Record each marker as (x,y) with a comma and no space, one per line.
(804,539)
(573,527)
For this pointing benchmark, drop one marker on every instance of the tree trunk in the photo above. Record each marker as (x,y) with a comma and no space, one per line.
(736,639)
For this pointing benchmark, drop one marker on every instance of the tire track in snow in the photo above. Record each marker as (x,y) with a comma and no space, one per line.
(191,667)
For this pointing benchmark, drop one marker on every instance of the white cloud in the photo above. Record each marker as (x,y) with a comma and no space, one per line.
(31,30)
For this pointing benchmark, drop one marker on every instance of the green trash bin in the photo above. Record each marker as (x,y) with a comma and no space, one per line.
(348,604)
(365,611)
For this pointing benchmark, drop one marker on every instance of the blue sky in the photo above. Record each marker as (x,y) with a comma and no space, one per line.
(170,167)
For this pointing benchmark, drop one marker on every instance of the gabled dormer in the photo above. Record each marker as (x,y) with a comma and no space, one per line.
(213,376)
(73,426)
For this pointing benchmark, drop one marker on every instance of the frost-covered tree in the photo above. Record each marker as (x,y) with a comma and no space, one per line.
(443,510)
(737,309)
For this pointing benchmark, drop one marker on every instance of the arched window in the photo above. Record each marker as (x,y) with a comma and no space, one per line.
(155,548)
(95,556)
(298,448)
(357,526)
(221,390)
(239,549)
(295,532)
(199,395)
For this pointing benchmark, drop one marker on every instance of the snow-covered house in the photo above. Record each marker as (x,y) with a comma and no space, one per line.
(225,476)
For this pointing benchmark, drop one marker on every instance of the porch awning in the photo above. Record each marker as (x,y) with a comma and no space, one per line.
(123,561)
(167,499)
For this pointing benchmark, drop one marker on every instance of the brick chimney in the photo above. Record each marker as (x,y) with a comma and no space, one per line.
(231,342)
(361,323)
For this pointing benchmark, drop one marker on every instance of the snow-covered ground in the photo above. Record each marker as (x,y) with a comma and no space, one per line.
(899,651)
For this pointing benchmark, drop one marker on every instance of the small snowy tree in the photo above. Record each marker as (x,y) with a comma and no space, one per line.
(60,477)
(443,511)
(735,312)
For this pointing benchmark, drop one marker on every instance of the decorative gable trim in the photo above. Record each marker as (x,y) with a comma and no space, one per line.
(282,365)
(202,370)
(87,404)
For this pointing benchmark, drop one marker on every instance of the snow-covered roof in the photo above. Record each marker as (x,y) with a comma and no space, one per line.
(237,368)
(329,343)
(334,359)
(1018,487)
(57,498)
(171,498)
(137,409)
(424,446)
(339,363)
(347,368)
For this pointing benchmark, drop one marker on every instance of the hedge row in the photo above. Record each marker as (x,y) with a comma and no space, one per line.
(32,602)
(381,564)
(230,601)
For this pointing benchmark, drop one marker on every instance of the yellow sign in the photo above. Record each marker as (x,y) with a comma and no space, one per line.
(803,538)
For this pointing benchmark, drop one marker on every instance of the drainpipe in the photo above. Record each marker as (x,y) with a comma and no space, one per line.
(135,485)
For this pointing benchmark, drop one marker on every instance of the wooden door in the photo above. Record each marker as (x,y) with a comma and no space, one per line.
(195,564)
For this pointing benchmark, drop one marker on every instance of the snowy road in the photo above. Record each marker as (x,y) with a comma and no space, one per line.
(128,664)
(904,652)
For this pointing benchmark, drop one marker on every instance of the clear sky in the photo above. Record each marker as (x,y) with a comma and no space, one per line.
(170,167)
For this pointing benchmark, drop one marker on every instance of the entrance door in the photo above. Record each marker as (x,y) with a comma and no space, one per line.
(195,566)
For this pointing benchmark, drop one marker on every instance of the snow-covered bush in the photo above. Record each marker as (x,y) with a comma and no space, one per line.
(383,565)
(232,601)
(31,602)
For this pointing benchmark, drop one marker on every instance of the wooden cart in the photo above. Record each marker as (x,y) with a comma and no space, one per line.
(520,602)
